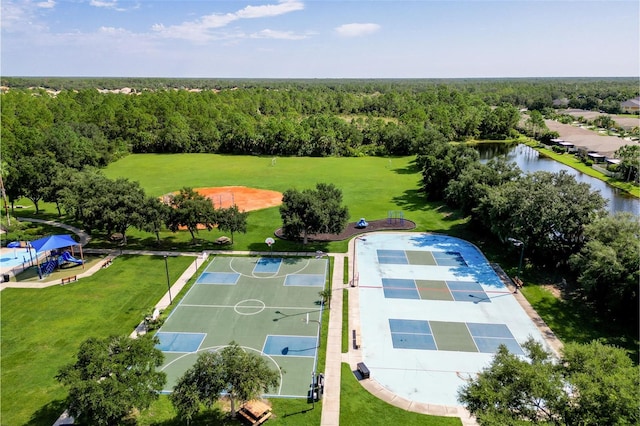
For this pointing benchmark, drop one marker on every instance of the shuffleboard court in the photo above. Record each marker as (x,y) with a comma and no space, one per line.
(247,300)
(433,312)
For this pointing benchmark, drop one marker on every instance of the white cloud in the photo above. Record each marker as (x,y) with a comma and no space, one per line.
(199,30)
(284,6)
(49,4)
(23,16)
(281,35)
(356,29)
(107,4)
(113,31)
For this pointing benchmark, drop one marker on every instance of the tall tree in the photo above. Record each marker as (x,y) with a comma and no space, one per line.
(31,176)
(111,377)
(190,209)
(153,215)
(474,181)
(547,211)
(592,384)
(513,390)
(608,266)
(240,374)
(232,219)
(535,123)
(443,163)
(122,207)
(629,156)
(313,211)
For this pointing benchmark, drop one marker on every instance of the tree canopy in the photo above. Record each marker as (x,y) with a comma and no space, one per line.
(232,219)
(111,377)
(313,211)
(547,211)
(240,374)
(608,266)
(592,384)
(190,209)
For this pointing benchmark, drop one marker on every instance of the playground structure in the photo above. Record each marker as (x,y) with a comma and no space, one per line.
(395,216)
(362,223)
(55,257)
(56,260)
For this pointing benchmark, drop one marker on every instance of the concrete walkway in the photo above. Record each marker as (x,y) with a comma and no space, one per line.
(332,370)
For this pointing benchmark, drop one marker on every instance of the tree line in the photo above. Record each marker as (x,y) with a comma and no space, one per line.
(560,222)
(101,127)
(98,203)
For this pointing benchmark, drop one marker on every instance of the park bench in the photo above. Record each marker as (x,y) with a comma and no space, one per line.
(363,370)
(517,282)
(355,340)
(67,280)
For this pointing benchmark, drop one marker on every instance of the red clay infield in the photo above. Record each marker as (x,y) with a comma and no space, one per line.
(246,199)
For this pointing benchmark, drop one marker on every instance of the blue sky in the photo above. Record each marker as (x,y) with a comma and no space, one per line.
(320,38)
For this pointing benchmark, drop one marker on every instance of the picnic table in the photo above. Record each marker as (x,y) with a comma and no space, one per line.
(223,240)
(255,412)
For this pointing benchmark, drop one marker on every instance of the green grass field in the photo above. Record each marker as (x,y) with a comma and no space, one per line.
(371,187)
(43,328)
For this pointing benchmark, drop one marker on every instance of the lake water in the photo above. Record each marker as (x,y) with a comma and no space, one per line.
(529,161)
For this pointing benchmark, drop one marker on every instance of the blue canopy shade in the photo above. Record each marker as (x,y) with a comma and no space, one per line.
(53,242)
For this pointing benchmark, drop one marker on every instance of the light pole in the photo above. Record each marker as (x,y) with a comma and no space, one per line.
(518,243)
(314,388)
(166,268)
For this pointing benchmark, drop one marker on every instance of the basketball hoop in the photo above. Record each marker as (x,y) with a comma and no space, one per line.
(269,241)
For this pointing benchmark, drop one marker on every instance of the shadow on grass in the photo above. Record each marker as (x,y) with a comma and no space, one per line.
(573,320)
(411,169)
(48,414)
(212,417)
(292,246)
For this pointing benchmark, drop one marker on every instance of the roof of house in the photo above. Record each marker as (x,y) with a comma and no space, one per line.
(635,102)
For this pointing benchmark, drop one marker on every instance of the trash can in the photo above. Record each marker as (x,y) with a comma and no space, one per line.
(5,278)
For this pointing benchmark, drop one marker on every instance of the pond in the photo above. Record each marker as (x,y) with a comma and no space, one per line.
(529,161)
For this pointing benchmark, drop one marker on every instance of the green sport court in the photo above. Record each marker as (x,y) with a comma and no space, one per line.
(268,305)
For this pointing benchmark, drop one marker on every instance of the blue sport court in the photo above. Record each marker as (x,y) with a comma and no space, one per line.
(433,312)
(459,291)
(461,337)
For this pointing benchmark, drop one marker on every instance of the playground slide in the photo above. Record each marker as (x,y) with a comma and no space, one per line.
(68,258)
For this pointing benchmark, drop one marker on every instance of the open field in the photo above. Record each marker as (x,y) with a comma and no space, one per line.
(43,328)
(371,188)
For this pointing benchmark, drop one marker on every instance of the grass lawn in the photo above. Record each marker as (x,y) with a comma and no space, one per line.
(359,407)
(371,188)
(43,328)
(572,321)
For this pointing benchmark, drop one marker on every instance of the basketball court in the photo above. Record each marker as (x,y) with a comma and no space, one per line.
(267,305)
(433,312)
